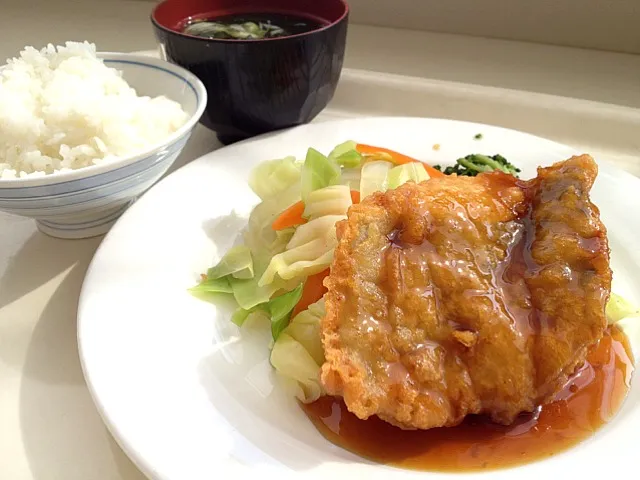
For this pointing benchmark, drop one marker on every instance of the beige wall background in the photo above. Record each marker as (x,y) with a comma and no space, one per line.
(597,24)
(612,25)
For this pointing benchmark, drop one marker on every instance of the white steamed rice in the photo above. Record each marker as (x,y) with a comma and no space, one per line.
(62,108)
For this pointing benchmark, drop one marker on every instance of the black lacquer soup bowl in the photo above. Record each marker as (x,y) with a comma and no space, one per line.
(256,85)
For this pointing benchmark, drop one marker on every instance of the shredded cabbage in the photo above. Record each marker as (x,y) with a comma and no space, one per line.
(305,328)
(241,316)
(380,176)
(213,285)
(351,178)
(264,243)
(279,309)
(310,249)
(619,308)
(237,262)
(249,292)
(259,236)
(318,171)
(282,239)
(374,178)
(318,228)
(412,171)
(350,159)
(347,155)
(274,176)
(343,148)
(298,355)
(333,200)
(302,261)
(291,360)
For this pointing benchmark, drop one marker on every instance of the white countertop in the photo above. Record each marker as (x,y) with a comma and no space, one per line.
(49,426)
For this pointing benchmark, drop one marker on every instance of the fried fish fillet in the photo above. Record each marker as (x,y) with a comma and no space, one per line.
(466,295)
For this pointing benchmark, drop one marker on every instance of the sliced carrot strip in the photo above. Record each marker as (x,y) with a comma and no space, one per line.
(312,291)
(432,172)
(291,217)
(398,158)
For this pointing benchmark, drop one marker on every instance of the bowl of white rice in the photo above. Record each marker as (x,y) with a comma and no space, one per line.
(83,134)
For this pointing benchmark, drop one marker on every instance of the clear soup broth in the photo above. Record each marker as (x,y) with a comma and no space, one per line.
(251,26)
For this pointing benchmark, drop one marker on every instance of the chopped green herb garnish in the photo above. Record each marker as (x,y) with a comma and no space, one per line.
(473,164)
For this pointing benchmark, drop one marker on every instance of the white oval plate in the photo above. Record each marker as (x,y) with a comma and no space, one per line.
(189,396)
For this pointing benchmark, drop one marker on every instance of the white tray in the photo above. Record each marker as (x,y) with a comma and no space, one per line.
(41,373)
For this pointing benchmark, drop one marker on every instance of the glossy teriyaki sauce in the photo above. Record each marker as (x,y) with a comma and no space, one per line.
(588,401)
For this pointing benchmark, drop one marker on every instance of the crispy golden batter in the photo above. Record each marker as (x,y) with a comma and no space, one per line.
(465,295)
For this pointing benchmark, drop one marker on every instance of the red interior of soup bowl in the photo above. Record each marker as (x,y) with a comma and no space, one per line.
(173,14)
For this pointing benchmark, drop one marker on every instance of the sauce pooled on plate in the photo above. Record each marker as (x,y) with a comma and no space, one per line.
(590,399)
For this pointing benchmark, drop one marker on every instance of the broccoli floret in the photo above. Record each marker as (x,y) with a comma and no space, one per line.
(506,166)
(473,164)
(449,170)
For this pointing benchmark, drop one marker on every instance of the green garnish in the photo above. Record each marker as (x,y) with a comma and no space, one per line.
(476,163)
(235,31)
(478,136)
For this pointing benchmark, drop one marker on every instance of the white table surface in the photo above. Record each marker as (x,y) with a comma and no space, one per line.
(49,428)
